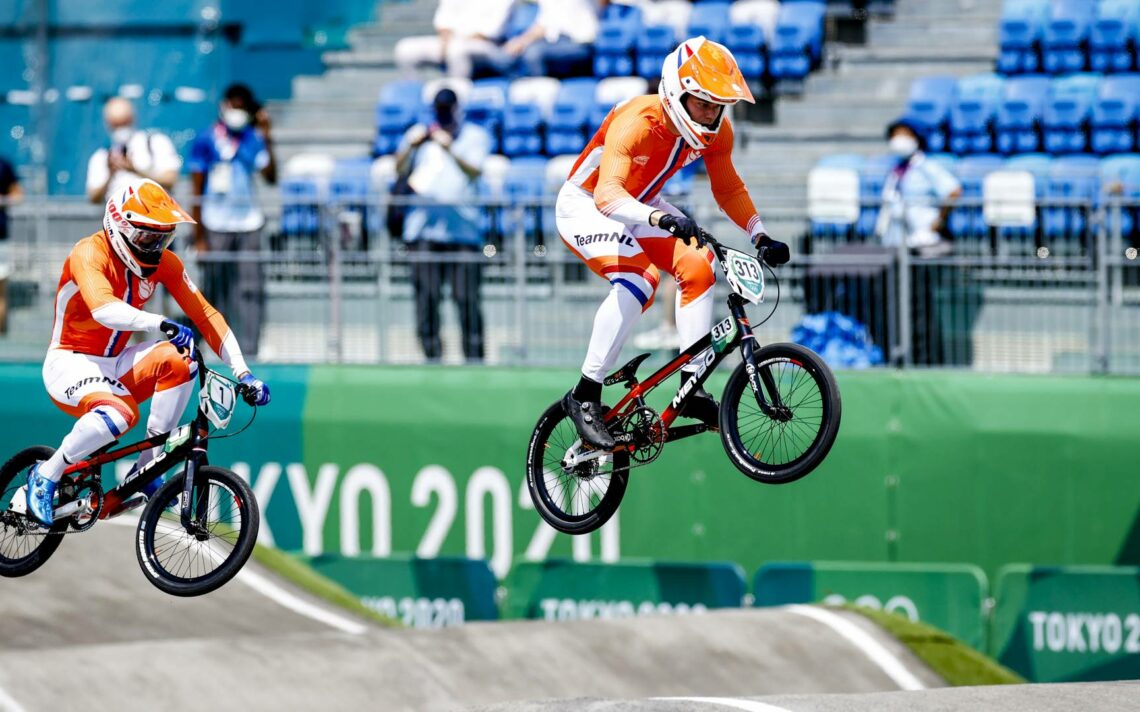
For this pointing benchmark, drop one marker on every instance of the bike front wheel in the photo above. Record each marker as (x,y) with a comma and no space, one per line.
(25,545)
(577,498)
(787,444)
(197,559)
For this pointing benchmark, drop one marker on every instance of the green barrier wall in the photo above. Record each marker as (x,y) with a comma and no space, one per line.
(422,593)
(928,466)
(1056,624)
(559,590)
(948,596)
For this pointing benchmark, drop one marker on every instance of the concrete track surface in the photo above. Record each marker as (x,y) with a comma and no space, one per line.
(87,632)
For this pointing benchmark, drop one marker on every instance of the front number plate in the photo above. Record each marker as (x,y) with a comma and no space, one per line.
(745,275)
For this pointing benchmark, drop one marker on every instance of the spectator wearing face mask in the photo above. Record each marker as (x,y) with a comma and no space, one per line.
(917,195)
(131,155)
(224,160)
(443,160)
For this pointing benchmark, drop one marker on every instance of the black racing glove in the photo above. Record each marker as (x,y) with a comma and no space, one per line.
(683,228)
(774,252)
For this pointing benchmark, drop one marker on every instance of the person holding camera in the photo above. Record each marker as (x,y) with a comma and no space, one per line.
(132,155)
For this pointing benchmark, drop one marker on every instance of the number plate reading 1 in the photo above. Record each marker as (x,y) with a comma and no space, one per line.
(745,276)
(178,436)
(217,399)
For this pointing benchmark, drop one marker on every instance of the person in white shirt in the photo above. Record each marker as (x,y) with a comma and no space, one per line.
(560,37)
(133,155)
(466,31)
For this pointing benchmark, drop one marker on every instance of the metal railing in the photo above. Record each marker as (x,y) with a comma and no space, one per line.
(338,289)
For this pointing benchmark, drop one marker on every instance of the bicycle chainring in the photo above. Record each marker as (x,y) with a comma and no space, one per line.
(646,433)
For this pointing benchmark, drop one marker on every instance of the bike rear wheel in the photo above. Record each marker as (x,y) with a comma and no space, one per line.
(24,545)
(786,448)
(577,499)
(224,524)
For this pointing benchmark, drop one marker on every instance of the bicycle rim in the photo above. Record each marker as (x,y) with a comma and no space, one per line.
(191,557)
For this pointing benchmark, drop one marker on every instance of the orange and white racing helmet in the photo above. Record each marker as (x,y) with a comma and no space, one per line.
(708,71)
(140,224)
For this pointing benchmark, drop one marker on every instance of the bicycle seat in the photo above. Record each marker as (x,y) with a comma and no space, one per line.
(627,373)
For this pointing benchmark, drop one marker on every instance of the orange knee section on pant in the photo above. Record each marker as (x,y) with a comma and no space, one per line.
(127,407)
(162,368)
(694,275)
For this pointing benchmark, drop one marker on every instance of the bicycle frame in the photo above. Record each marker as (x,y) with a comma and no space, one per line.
(709,358)
(192,451)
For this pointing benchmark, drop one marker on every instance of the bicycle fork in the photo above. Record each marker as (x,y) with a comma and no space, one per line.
(759,377)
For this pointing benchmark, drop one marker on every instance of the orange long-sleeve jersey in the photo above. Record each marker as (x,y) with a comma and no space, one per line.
(634,153)
(95,280)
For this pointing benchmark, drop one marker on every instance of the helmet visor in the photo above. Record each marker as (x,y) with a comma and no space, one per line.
(150,242)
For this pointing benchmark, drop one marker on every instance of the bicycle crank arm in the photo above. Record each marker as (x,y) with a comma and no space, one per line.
(80,506)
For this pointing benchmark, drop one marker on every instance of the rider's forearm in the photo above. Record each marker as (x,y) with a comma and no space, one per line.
(232,356)
(121,316)
(626,209)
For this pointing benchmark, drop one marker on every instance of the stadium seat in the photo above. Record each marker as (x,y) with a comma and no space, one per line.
(613,47)
(747,44)
(522,130)
(1039,166)
(854,161)
(1064,44)
(1070,179)
(929,105)
(1115,114)
(1114,36)
(522,184)
(485,105)
(673,13)
(395,114)
(972,114)
(966,221)
(569,117)
(489,189)
(653,44)
(612,91)
(763,13)
(797,45)
(832,201)
(350,191)
(872,177)
(1120,180)
(710,20)
(1019,114)
(1067,113)
(1019,35)
(300,206)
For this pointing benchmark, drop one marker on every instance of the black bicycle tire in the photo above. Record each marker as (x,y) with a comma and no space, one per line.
(13,568)
(600,514)
(803,465)
(144,548)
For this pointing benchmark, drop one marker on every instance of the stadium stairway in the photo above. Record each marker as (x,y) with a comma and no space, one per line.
(845,107)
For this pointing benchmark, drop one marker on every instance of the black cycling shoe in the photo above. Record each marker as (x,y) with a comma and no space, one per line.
(587,418)
(700,405)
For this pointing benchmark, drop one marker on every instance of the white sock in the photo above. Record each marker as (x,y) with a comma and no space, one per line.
(166,409)
(694,320)
(92,431)
(616,317)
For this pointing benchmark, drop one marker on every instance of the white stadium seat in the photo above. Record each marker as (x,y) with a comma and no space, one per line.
(833,195)
(1009,199)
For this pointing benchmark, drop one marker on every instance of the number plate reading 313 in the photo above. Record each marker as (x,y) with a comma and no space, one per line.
(745,276)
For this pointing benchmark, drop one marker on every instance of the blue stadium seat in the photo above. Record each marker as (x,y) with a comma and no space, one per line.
(1067,113)
(1120,178)
(710,20)
(653,44)
(569,118)
(300,211)
(1019,36)
(350,189)
(522,130)
(1072,178)
(613,48)
(872,176)
(797,45)
(1114,36)
(485,105)
(1065,41)
(966,222)
(523,184)
(1115,114)
(842,160)
(972,114)
(399,107)
(929,105)
(747,44)
(1019,114)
